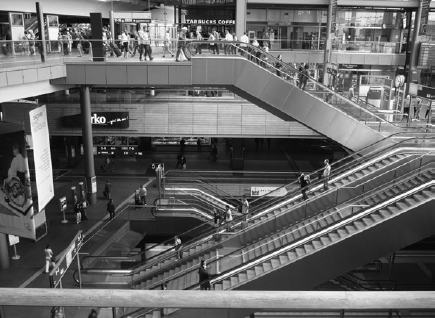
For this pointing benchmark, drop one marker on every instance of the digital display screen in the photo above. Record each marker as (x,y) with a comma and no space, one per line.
(118,150)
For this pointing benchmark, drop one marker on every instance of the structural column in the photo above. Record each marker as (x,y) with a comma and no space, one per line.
(241,9)
(413,60)
(328,45)
(4,253)
(91,180)
(41,31)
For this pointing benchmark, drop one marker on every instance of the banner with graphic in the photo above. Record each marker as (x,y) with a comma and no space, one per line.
(42,156)
(16,205)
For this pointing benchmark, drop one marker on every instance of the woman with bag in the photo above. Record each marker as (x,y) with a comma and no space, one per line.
(49,258)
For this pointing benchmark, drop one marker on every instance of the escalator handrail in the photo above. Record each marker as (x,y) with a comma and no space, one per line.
(372,192)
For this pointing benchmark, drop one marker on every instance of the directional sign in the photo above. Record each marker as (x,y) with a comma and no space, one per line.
(64,262)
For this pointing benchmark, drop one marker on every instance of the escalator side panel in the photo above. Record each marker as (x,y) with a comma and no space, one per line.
(354,251)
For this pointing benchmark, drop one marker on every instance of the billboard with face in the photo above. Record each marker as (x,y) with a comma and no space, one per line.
(16,204)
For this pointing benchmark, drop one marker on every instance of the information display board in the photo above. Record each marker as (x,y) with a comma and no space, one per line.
(427,55)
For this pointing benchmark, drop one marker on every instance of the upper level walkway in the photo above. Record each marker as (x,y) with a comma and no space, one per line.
(246,70)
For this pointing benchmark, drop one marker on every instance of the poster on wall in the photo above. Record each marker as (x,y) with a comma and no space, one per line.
(16,204)
(42,156)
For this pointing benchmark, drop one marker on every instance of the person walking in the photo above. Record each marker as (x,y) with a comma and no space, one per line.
(326,174)
(213,153)
(305,76)
(147,44)
(417,109)
(49,258)
(304,182)
(204,276)
(143,195)
(181,45)
(78,213)
(167,44)
(198,45)
(111,209)
(125,41)
(107,189)
(244,45)
(216,38)
(245,205)
(228,217)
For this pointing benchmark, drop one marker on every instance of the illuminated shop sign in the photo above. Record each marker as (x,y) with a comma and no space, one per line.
(213,22)
(200,2)
(100,120)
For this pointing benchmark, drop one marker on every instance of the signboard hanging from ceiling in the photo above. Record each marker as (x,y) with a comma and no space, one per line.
(133,17)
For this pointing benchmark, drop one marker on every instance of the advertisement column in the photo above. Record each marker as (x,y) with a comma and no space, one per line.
(42,156)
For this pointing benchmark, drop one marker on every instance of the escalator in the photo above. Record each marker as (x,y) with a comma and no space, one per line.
(315,250)
(318,108)
(356,176)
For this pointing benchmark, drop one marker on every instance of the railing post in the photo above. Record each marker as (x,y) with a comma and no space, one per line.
(114,312)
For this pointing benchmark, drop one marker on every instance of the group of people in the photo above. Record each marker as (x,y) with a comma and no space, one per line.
(304,179)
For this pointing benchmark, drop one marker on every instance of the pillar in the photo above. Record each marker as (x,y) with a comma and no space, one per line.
(241,9)
(85,108)
(4,252)
(328,46)
(413,59)
(41,31)
(97,37)
(112,24)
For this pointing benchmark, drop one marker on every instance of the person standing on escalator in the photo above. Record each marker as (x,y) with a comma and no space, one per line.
(326,174)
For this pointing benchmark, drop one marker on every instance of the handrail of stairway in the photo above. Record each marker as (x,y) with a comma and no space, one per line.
(374,191)
(206,235)
(272,61)
(164,255)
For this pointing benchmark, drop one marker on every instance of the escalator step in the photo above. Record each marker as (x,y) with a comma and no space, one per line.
(375,217)
(427,194)
(351,229)
(359,224)
(250,273)
(300,251)
(283,259)
(258,270)
(410,202)
(317,244)
(333,236)
(234,280)
(392,209)
(342,232)
(325,240)
(218,286)
(292,255)
(226,284)
(243,277)
(275,262)
(401,205)
(267,266)
(419,197)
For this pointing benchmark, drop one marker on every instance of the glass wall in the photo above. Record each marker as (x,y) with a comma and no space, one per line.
(371,31)
(288,29)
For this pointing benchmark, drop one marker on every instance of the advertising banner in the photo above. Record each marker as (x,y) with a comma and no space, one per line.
(42,156)
(268,191)
(106,120)
(16,205)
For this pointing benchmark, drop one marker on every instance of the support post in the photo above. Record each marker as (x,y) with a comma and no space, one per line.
(241,7)
(4,252)
(414,47)
(97,37)
(85,107)
(328,45)
(41,31)
(112,24)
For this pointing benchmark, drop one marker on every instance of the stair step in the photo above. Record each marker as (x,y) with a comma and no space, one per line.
(267,266)
(292,255)
(250,273)
(243,277)
(317,244)
(258,270)
(300,251)
(308,247)
(234,280)
(325,240)
(283,259)
(275,262)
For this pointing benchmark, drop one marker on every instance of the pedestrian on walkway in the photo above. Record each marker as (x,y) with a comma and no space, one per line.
(245,205)
(213,152)
(228,217)
(49,258)
(326,174)
(143,195)
(217,217)
(78,213)
(417,109)
(111,209)
(304,181)
(107,188)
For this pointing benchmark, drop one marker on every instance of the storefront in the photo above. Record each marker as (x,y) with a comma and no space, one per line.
(288,28)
